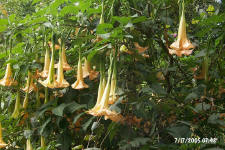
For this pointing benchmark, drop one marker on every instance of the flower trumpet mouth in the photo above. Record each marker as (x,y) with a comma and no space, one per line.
(30,86)
(182,45)
(44,73)
(61,82)
(57,47)
(102,108)
(79,84)
(28,145)
(65,64)
(8,79)
(16,111)
(2,143)
(50,81)
(88,71)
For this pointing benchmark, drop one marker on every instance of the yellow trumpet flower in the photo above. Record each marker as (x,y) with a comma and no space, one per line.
(16,111)
(30,86)
(61,82)
(204,72)
(2,143)
(87,71)
(44,73)
(65,64)
(102,108)
(112,95)
(25,101)
(50,81)
(43,142)
(8,79)
(51,45)
(79,84)
(101,89)
(28,145)
(182,45)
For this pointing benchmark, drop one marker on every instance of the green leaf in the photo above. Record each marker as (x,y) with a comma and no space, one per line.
(3,22)
(201,53)
(71,9)
(59,110)
(87,124)
(122,20)
(156,87)
(36,1)
(191,96)
(181,131)
(77,117)
(72,107)
(139,19)
(42,128)
(104,28)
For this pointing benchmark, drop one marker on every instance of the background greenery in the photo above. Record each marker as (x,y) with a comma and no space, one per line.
(159,94)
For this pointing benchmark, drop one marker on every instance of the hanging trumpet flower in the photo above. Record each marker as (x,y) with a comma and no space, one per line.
(112,95)
(30,84)
(50,81)
(102,109)
(43,142)
(44,73)
(79,84)
(2,143)
(101,88)
(204,72)
(87,70)
(8,79)
(28,145)
(51,45)
(16,111)
(61,82)
(65,64)
(182,45)
(26,99)
(101,21)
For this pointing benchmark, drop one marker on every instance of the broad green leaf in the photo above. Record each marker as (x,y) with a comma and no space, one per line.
(87,124)
(71,9)
(77,117)
(59,110)
(104,28)
(181,131)
(72,107)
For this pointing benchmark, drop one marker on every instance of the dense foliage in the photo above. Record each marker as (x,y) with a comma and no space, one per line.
(160,96)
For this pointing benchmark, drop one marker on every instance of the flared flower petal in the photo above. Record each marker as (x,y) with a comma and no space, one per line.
(102,106)
(79,83)
(88,71)
(30,86)
(44,73)
(93,74)
(8,78)
(182,46)
(61,82)
(139,48)
(65,64)
(50,81)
